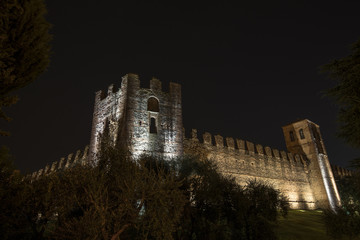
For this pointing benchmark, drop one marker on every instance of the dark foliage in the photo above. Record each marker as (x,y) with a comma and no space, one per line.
(26,207)
(346,72)
(119,199)
(345,221)
(218,208)
(25,47)
(9,188)
(349,189)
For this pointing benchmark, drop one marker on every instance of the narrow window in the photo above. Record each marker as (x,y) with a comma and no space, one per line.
(153,105)
(301,132)
(153,128)
(292,138)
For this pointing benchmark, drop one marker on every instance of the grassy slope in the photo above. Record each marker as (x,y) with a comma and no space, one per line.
(300,224)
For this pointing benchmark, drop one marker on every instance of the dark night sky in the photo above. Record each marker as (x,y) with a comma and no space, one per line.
(245,69)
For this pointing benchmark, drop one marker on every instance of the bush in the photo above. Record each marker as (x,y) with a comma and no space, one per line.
(345,221)
(119,197)
(143,199)
(218,208)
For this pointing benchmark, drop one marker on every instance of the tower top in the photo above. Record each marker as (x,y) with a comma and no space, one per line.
(142,120)
(303,137)
(300,122)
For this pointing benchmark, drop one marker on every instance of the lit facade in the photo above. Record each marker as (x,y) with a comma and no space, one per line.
(149,121)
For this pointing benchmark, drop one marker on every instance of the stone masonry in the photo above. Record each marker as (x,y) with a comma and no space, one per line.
(130,114)
(149,121)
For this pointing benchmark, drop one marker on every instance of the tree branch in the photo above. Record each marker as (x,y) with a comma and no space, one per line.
(116,235)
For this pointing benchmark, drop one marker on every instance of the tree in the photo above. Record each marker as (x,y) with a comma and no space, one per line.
(27,206)
(263,208)
(25,47)
(344,222)
(118,198)
(346,72)
(9,184)
(218,208)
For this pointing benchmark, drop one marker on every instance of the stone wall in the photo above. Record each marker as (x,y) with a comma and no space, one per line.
(245,160)
(80,157)
(340,172)
(304,137)
(109,111)
(149,121)
(125,114)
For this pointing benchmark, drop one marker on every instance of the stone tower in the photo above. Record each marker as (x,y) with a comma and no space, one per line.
(303,137)
(149,121)
(144,121)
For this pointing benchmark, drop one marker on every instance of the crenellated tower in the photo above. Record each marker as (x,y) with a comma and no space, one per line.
(143,121)
(149,121)
(303,137)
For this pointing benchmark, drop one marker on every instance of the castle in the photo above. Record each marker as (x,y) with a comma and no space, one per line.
(149,121)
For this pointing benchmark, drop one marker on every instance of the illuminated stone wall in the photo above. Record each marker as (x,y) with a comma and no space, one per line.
(340,172)
(304,137)
(149,121)
(144,121)
(244,160)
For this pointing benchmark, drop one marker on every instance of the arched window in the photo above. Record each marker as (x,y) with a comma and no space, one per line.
(153,128)
(153,105)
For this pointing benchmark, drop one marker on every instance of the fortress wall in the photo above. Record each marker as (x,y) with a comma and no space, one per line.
(245,160)
(340,172)
(149,121)
(80,157)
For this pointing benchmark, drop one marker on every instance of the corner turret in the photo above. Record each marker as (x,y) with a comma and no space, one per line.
(303,137)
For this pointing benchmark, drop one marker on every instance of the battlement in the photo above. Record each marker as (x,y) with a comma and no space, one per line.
(245,147)
(80,157)
(131,82)
(340,172)
(149,121)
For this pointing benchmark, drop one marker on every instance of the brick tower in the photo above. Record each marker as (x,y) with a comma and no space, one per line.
(303,137)
(144,121)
